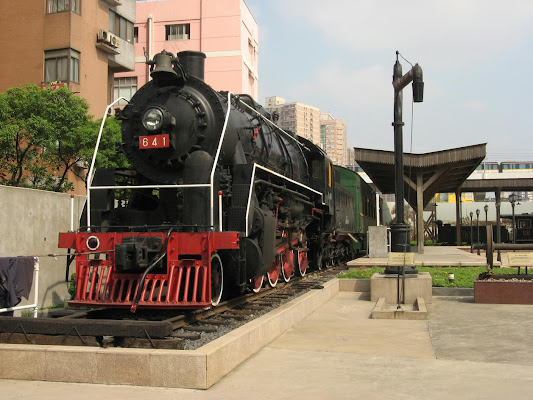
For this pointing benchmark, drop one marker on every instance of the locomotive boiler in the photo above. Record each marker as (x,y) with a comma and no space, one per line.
(219,199)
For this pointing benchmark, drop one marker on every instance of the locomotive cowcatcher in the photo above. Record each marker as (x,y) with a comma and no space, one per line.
(218,199)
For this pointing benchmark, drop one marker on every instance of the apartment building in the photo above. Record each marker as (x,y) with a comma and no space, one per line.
(224,30)
(333,138)
(303,119)
(80,44)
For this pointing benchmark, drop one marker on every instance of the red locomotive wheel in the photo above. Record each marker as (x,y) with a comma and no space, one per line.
(217,279)
(257,283)
(302,262)
(273,274)
(287,264)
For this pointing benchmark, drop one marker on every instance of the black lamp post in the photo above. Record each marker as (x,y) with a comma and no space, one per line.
(477,241)
(471,232)
(486,208)
(512,200)
(400,235)
(498,232)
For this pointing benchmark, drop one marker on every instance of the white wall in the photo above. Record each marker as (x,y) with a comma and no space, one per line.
(30,222)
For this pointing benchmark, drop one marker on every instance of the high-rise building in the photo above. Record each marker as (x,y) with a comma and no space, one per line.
(224,30)
(350,159)
(302,119)
(333,138)
(75,43)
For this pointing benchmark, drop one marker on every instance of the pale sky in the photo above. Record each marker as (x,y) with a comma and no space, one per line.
(338,55)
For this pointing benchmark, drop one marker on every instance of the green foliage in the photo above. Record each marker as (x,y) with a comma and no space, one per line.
(463,276)
(108,156)
(72,284)
(44,133)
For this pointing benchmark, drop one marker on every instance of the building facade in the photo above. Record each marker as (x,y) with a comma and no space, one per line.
(75,43)
(224,30)
(333,138)
(302,119)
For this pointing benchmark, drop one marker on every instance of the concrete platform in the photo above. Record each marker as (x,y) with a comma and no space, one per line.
(386,286)
(463,350)
(197,369)
(435,256)
(410,312)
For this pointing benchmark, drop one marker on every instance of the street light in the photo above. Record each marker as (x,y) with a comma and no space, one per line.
(512,200)
(400,229)
(486,208)
(498,232)
(471,232)
(477,241)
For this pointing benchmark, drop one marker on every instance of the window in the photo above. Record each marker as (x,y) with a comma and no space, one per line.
(121,27)
(62,66)
(177,32)
(55,6)
(125,87)
(135,35)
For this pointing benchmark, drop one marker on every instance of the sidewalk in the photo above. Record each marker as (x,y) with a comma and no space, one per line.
(464,350)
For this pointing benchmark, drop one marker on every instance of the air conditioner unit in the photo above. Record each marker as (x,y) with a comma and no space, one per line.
(113,40)
(102,35)
(108,38)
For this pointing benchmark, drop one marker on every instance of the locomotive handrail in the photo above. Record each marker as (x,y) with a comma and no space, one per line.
(191,185)
(215,162)
(273,124)
(278,128)
(91,169)
(280,176)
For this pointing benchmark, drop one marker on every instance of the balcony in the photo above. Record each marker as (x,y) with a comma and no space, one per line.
(113,2)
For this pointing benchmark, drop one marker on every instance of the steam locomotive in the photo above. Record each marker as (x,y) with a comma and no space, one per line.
(219,200)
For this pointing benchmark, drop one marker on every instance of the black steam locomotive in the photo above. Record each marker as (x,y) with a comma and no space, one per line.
(220,198)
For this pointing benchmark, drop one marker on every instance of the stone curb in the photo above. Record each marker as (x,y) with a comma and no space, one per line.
(192,369)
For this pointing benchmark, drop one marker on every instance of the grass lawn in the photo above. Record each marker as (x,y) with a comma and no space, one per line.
(464,276)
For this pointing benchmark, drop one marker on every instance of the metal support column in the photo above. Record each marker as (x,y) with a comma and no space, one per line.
(420,211)
(458,216)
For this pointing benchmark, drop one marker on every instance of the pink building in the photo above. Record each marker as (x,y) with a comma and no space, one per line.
(224,30)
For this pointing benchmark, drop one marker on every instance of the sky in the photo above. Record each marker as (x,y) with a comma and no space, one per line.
(338,55)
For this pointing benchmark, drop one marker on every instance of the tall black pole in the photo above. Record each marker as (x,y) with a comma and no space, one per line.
(398,148)
(400,232)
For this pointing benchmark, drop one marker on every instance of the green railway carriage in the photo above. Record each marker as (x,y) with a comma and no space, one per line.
(361,213)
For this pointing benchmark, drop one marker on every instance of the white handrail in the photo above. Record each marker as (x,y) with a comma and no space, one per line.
(215,161)
(91,169)
(35,293)
(278,175)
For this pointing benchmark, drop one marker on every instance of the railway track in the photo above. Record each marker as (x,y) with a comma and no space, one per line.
(159,330)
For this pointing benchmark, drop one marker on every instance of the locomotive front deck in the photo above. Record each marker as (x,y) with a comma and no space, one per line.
(184,282)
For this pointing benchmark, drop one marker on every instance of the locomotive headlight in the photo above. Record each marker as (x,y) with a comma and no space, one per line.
(93,243)
(153,119)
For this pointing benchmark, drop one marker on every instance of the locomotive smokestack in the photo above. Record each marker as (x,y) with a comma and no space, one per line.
(193,63)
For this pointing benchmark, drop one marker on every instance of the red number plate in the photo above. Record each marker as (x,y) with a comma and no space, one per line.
(153,142)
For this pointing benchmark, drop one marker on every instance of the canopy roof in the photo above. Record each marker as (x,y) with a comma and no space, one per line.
(441,171)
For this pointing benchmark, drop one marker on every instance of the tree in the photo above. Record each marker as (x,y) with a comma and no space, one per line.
(109,156)
(44,133)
